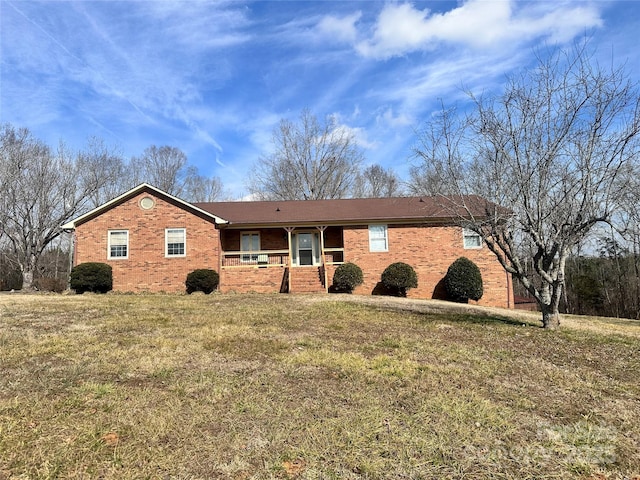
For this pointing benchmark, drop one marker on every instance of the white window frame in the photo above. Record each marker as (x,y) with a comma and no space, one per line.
(166,242)
(126,245)
(252,255)
(375,239)
(467,235)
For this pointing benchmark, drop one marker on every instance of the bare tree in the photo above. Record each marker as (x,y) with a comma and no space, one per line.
(309,161)
(439,154)
(103,167)
(198,188)
(551,149)
(163,167)
(167,168)
(375,181)
(41,190)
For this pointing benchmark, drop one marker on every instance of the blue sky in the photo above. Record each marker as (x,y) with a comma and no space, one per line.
(215,78)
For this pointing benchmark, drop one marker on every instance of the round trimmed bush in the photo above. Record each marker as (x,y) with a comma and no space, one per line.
(347,277)
(399,277)
(202,280)
(91,277)
(463,281)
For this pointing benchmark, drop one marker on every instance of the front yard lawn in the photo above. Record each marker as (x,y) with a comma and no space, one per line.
(310,387)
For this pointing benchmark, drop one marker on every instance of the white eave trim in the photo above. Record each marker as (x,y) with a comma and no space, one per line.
(96,211)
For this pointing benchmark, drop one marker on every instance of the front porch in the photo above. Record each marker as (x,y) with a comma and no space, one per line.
(285,260)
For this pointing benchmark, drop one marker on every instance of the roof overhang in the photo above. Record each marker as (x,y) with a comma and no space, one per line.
(341,223)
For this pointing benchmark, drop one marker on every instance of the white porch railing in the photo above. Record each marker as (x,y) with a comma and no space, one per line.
(273,258)
(259,258)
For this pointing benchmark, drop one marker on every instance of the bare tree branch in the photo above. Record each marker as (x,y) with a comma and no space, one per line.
(309,161)
(554,148)
(375,181)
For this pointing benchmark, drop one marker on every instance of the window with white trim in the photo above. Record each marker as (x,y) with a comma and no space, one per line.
(250,242)
(378,240)
(175,242)
(118,245)
(471,239)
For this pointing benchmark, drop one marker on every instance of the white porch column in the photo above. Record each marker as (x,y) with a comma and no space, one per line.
(289,261)
(322,258)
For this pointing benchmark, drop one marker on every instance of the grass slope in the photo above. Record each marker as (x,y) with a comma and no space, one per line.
(282,386)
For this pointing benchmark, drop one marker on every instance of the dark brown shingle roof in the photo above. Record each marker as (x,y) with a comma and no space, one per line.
(329,212)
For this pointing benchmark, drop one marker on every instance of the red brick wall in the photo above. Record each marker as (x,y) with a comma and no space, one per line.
(251,279)
(430,250)
(147,269)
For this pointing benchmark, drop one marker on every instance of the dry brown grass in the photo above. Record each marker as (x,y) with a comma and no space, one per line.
(283,386)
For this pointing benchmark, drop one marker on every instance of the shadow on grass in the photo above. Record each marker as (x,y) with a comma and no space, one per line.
(475,318)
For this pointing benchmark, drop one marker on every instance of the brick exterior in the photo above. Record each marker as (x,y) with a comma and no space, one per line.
(147,269)
(429,249)
(251,279)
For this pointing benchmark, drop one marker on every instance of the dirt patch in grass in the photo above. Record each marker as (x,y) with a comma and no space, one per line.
(284,386)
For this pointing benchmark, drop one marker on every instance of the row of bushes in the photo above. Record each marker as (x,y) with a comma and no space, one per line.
(98,278)
(463,280)
(397,278)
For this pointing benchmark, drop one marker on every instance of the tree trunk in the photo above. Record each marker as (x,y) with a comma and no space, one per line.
(550,317)
(636,268)
(27,273)
(27,279)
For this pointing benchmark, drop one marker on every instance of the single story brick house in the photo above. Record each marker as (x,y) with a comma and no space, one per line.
(152,240)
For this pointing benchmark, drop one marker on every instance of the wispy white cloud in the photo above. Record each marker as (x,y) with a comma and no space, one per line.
(338,29)
(119,58)
(359,134)
(200,25)
(388,118)
(403,28)
(556,22)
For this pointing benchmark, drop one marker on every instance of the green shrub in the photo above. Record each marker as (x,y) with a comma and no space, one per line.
(463,281)
(399,277)
(91,277)
(347,277)
(202,280)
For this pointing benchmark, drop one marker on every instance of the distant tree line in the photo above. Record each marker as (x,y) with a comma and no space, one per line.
(606,284)
(602,282)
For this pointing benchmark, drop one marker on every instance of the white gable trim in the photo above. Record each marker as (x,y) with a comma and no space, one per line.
(134,191)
